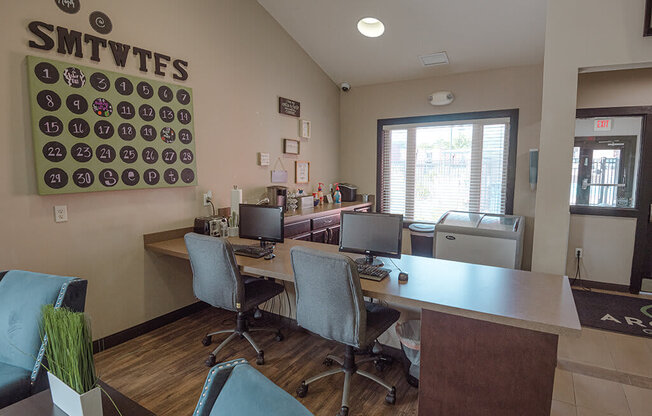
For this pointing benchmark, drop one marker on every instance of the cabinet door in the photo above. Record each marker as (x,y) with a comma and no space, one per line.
(334,235)
(319,236)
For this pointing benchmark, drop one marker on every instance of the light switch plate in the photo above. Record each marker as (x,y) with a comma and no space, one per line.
(60,213)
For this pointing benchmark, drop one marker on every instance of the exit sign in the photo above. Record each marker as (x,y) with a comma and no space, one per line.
(602,124)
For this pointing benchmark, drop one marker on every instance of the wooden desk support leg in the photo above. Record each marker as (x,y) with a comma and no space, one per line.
(471,367)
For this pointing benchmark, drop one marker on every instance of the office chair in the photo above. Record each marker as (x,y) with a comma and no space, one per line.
(235,388)
(22,296)
(330,304)
(218,282)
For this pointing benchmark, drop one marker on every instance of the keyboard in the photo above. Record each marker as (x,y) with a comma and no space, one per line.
(251,251)
(375,273)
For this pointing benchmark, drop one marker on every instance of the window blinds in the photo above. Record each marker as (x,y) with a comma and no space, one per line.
(428,169)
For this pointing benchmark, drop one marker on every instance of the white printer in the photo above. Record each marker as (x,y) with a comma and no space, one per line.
(473,237)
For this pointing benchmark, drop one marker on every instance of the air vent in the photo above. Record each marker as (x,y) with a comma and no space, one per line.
(439,58)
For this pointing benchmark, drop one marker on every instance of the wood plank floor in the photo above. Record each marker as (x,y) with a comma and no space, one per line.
(164,370)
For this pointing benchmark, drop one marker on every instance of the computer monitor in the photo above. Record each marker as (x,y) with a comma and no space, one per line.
(371,234)
(261,222)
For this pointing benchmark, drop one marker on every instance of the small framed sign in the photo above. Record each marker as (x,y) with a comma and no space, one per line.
(291,147)
(301,171)
(304,129)
(289,107)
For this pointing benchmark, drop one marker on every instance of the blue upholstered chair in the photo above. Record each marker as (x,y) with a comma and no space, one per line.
(330,304)
(217,281)
(235,388)
(22,295)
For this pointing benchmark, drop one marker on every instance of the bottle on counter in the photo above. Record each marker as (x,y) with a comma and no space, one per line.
(337,196)
(320,193)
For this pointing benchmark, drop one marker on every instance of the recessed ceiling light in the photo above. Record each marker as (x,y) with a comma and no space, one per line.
(371,27)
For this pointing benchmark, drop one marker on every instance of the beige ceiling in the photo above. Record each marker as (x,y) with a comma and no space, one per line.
(476,34)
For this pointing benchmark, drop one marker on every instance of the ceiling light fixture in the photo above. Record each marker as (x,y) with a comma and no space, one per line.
(371,27)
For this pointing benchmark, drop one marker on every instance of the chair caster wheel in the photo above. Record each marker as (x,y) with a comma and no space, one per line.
(206,341)
(380,365)
(391,396)
(279,337)
(210,361)
(344,411)
(327,362)
(302,390)
(258,314)
(260,358)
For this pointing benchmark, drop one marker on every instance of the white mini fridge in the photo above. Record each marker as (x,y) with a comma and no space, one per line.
(472,237)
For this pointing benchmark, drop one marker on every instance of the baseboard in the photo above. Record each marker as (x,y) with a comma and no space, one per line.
(600,285)
(135,331)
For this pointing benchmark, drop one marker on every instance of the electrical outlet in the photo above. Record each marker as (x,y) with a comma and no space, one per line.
(208,196)
(60,213)
(579,253)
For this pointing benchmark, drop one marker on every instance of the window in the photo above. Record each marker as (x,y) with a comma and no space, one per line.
(605,162)
(433,164)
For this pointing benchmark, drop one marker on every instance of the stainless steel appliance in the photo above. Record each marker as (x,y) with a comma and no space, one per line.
(277,196)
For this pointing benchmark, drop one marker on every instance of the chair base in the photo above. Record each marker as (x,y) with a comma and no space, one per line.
(243,331)
(348,367)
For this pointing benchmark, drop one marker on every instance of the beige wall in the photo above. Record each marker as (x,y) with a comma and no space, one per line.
(508,88)
(240,61)
(608,242)
(579,34)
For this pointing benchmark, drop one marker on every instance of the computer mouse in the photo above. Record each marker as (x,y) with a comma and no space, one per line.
(269,256)
(402,277)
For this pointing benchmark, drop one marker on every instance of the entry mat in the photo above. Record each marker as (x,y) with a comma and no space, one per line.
(625,314)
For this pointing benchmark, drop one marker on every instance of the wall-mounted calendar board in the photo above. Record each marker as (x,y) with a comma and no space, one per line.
(96,130)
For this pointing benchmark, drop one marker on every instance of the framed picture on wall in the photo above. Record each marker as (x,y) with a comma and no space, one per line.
(291,147)
(301,171)
(647,27)
(304,129)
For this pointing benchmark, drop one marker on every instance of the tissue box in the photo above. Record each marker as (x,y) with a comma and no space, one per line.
(306,202)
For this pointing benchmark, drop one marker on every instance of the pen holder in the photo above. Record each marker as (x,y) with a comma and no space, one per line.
(233,231)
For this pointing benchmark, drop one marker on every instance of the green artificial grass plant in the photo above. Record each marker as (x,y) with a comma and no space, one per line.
(69,348)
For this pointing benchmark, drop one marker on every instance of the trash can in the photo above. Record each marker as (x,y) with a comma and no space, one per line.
(421,238)
(409,333)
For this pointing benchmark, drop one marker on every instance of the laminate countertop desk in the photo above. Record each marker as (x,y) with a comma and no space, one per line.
(489,335)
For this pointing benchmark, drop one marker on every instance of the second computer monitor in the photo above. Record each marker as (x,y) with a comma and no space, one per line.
(371,234)
(261,222)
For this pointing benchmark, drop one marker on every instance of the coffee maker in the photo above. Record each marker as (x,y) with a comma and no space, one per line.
(277,196)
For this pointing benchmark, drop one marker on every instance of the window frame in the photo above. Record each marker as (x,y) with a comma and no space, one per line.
(511,114)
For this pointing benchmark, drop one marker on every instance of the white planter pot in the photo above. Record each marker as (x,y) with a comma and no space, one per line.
(73,403)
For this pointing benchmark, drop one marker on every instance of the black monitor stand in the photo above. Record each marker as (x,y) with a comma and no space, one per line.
(270,245)
(370,260)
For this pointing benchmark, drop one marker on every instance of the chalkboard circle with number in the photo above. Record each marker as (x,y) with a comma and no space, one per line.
(74,77)
(50,126)
(186,156)
(126,110)
(100,82)
(151,176)
(48,100)
(171,176)
(150,155)
(83,177)
(148,132)
(169,156)
(126,131)
(105,153)
(167,134)
(102,107)
(130,177)
(46,73)
(76,104)
(54,151)
(145,90)
(100,22)
(81,152)
(108,177)
(79,128)
(183,96)
(166,114)
(147,112)
(103,129)
(128,154)
(187,175)
(56,178)
(183,116)
(68,6)
(124,86)
(185,136)
(165,94)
